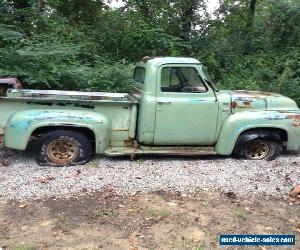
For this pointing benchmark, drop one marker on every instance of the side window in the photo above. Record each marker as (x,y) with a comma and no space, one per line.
(169,79)
(139,74)
(181,79)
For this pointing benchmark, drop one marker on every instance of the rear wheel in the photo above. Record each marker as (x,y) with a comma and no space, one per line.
(63,148)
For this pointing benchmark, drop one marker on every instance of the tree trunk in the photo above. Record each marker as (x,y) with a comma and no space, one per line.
(143,8)
(248,46)
(40,4)
(21,4)
(252,8)
(187,19)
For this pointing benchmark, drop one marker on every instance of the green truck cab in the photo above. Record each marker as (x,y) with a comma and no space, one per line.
(175,110)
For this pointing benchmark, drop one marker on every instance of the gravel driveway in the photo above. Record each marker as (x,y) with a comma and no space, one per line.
(23,179)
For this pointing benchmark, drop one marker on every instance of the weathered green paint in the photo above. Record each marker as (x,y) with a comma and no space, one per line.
(147,150)
(119,114)
(152,118)
(254,100)
(22,125)
(174,127)
(242,121)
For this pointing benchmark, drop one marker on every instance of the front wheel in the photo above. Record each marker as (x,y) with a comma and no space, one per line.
(63,148)
(260,149)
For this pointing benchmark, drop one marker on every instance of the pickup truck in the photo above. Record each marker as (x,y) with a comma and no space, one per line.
(175,110)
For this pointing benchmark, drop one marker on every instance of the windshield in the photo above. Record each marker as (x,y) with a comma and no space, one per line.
(207,76)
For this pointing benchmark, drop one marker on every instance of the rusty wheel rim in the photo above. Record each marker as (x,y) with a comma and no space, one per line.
(258,150)
(62,151)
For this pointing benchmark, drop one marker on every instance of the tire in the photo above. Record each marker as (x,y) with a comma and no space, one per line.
(63,148)
(258,146)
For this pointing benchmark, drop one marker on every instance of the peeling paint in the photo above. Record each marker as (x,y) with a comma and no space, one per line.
(256,100)
(275,117)
(254,94)
(23,123)
(247,104)
(64,96)
(295,119)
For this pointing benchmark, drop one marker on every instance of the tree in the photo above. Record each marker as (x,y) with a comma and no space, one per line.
(75,44)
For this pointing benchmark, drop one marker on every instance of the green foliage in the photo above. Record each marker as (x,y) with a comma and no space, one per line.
(52,64)
(262,57)
(23,247)
(86,45)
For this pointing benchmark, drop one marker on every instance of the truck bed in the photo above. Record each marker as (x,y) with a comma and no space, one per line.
(119,108)
(50,95)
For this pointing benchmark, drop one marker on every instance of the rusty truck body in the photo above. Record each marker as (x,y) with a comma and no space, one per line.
(176,109)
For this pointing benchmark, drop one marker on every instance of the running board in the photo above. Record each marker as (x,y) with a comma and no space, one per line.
(121,151)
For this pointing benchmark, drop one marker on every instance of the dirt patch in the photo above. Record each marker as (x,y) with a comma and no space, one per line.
(159,220)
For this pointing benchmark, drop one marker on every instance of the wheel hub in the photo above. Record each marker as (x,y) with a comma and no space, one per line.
(258,150)
(62,151)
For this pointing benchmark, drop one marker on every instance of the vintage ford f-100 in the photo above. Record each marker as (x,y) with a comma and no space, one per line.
(176,110)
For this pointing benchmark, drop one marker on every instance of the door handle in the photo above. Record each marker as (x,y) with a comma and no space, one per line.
(164,102)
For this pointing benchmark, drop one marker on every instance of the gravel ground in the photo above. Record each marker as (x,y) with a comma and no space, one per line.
(23,179)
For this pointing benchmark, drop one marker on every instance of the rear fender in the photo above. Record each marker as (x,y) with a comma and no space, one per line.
(22,124)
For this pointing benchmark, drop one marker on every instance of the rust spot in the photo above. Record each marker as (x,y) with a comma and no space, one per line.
(247,103)
(244,104)
(234,104)
(41,103)
(253,93)
(294,117)
(128,143)
(296,124)
(84,106)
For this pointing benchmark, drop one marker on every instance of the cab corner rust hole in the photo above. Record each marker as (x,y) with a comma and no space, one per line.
(84,106)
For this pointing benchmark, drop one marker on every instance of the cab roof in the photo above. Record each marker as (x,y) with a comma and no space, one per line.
(157,61)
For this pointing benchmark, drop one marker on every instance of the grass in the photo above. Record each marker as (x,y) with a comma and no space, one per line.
(186,245)
(92,164)
(107,213)
(241,213)
(200,246)
(158,213)
(23,247)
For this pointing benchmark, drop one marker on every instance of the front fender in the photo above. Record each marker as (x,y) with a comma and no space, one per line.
(242,121)
(22,124)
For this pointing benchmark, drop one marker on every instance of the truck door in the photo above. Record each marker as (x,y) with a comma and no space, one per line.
(186,108)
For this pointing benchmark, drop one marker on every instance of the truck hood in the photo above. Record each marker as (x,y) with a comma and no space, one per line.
(242,100)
